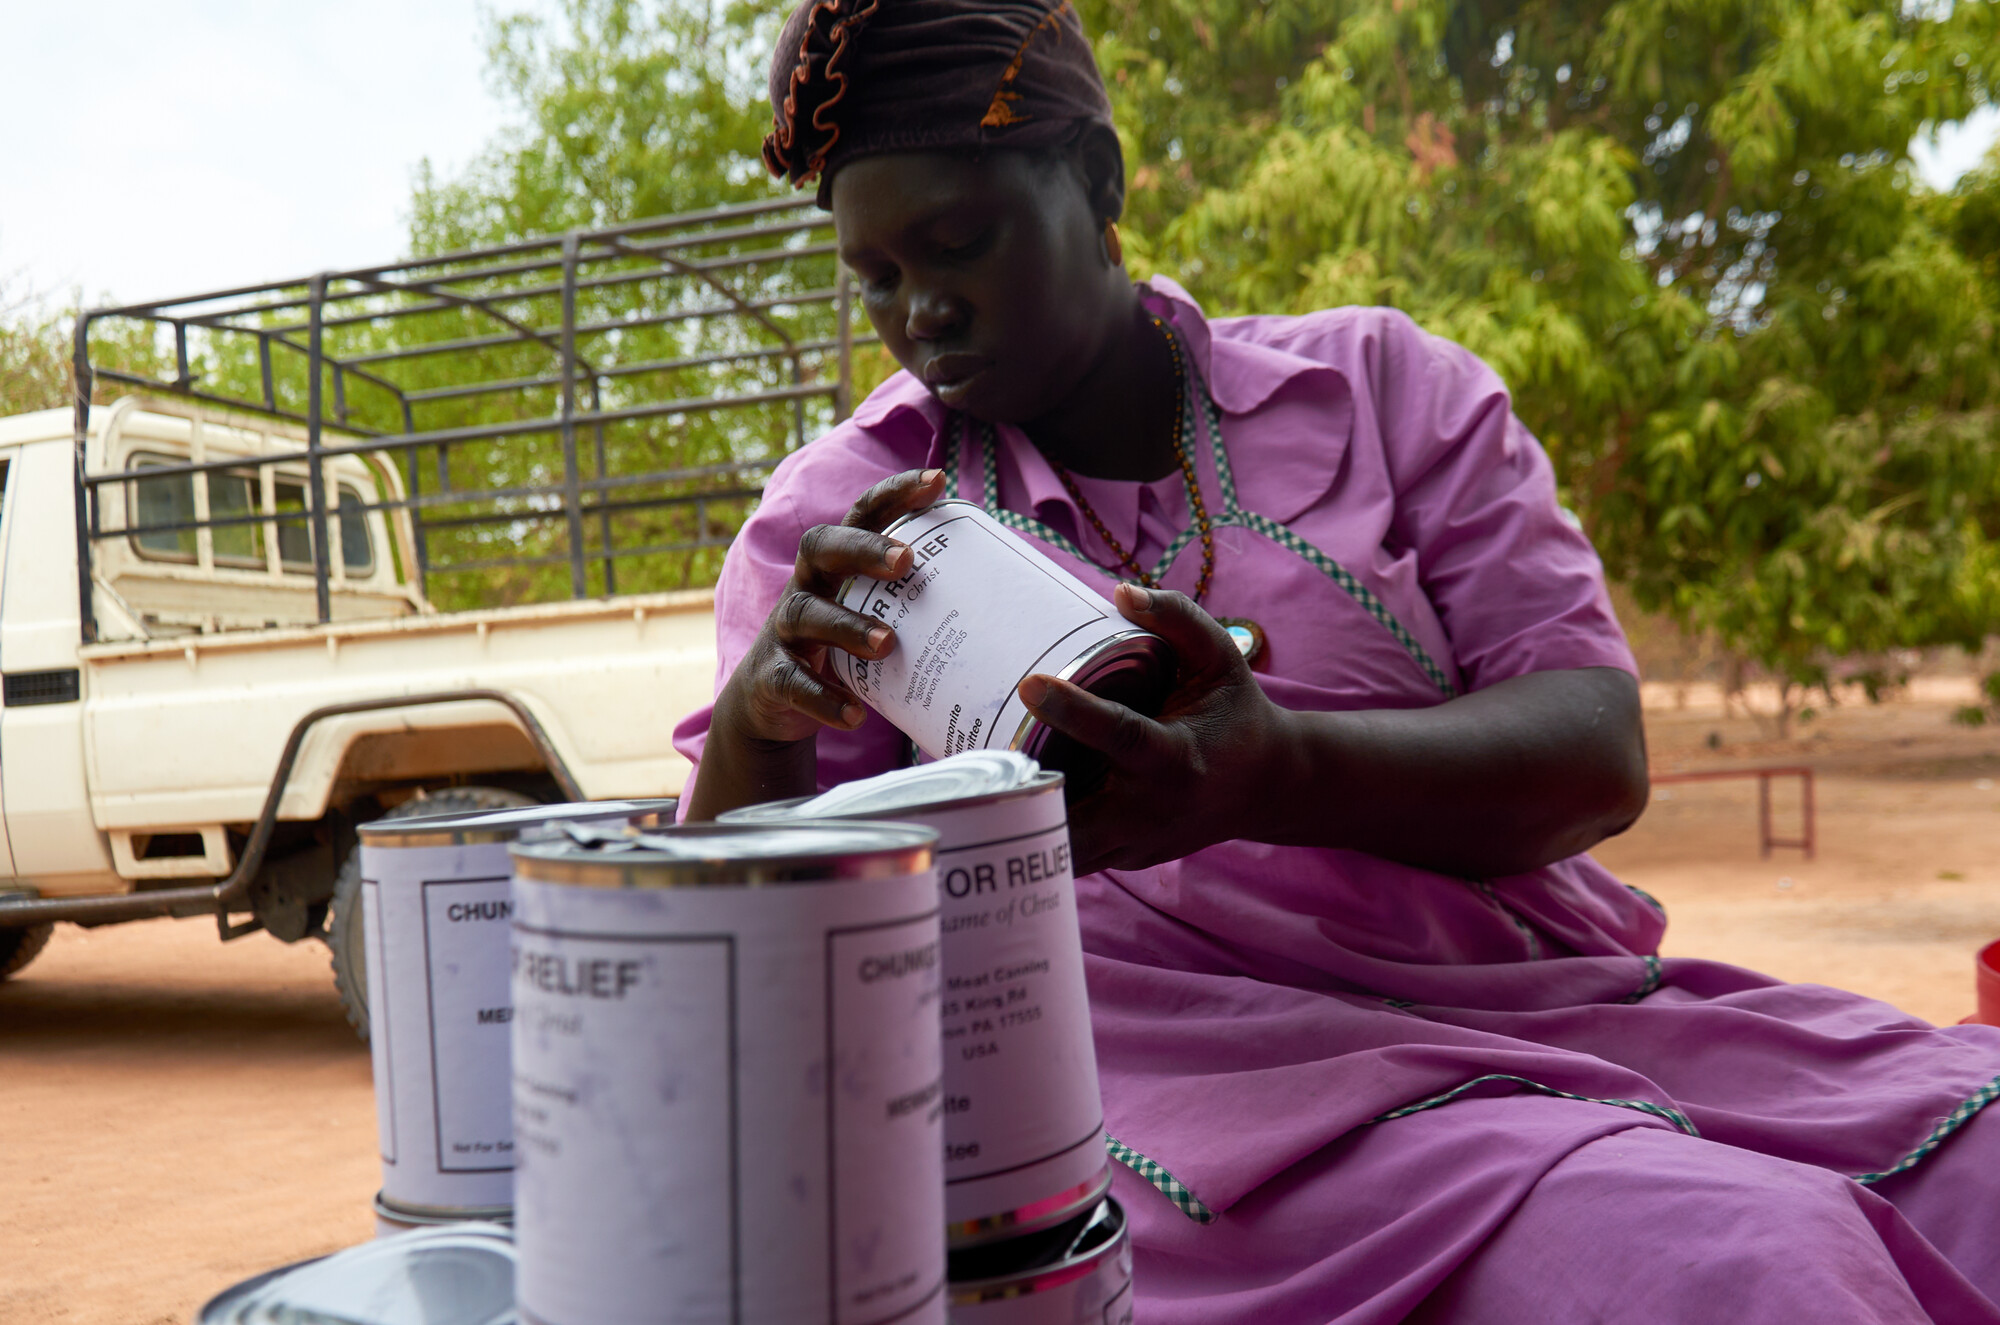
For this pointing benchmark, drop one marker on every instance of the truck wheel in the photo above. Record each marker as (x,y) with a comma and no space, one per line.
(20,945)
(350,956)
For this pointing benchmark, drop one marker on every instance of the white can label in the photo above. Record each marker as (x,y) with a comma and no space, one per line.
(435,929)
(728,1104)
(1024,1122)
(979,611)
(465,933)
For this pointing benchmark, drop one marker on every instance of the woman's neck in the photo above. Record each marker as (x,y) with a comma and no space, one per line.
(1119,422)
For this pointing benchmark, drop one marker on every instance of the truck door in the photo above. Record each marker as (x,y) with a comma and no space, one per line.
(51,836)
(6,849)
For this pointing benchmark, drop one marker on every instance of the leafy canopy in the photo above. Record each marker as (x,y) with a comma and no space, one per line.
(1686,233)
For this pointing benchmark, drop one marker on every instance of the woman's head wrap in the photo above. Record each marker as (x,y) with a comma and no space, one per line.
(854,78)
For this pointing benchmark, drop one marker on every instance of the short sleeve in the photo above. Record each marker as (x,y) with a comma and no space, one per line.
(1515,583)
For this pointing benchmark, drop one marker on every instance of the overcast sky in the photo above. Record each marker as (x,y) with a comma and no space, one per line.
(110,182)
(112,113)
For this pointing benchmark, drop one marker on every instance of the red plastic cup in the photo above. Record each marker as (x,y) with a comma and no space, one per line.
(1987,973)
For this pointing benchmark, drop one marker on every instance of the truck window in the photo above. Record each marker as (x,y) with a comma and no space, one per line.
(161,501)
(295,534)
(356,555)
(231,495)
(169,500)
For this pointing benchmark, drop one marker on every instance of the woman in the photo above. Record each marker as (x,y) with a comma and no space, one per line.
(1377,1041)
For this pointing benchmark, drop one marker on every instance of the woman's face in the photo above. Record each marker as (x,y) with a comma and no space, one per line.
(985,276)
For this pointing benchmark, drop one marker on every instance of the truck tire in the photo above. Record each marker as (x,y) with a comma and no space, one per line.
(20,945)
(350,956)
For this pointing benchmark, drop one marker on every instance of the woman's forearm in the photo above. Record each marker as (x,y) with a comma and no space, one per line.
(738,770)
(1500,781)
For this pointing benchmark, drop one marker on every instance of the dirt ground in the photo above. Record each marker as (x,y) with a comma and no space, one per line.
(176,1115)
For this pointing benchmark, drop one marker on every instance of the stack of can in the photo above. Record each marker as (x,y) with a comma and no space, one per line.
(435,912)
(1033,1234)
(829,1060)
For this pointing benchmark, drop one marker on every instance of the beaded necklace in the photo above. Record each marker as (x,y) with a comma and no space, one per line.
(1181,453)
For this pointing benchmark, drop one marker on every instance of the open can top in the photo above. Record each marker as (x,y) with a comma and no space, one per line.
(459,1275)
(976,777)
(724,855)
(477,827)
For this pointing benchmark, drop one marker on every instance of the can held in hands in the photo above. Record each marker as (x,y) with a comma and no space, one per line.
(435,909)
(1079,1273)
(1023,1119)
(727,1102)
(978,612)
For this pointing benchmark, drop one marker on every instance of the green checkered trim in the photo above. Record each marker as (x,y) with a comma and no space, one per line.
(1674,1116)
(1647,898)
(1354,589)
(1174,550)
(1486,889)
(1950,1123)
(954,445)
(989,458)
(1649,984)
(1232,514)
(1225,477)
(1169,1186)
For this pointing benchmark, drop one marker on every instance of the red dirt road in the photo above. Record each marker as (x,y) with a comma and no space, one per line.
(178,1114)
(175,1115)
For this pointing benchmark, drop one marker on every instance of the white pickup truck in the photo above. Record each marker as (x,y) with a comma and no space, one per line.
(218,628)
(213,750)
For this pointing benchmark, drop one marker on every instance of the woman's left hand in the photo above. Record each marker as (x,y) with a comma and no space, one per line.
(1186,779)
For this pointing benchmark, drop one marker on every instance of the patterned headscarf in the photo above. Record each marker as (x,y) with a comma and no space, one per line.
(854,78)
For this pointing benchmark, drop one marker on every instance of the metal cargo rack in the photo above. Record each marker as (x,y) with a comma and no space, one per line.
(602,399)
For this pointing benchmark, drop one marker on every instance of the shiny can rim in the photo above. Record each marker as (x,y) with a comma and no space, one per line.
(972,1292)
(1131,644)
(425,1215)
(459,830)
(1045,781)
(1030,1218)
(881,851)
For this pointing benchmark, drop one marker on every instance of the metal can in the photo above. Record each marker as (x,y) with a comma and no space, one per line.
(435,907)
(1023,1119)
(1078,1274)
(979,611)
(726,1076)
(393,1219)
(460,1273)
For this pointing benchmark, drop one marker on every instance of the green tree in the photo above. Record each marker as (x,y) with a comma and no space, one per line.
(623,109)
(1686,233)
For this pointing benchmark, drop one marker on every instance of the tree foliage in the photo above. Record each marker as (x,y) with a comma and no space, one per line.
(1686,233)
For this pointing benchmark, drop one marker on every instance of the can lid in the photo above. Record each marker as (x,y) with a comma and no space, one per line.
(461,1275)
(800,851)
(469,827)
(971,775)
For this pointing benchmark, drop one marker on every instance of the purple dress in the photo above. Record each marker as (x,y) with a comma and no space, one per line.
(1343,1089)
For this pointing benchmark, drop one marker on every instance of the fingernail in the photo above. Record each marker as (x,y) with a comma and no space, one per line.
(1034,690)
(931,476)
(1140,598)
(878,637)
(897,559)
(852,714)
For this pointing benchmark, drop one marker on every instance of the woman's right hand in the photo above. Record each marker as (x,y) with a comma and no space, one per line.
(782,692)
